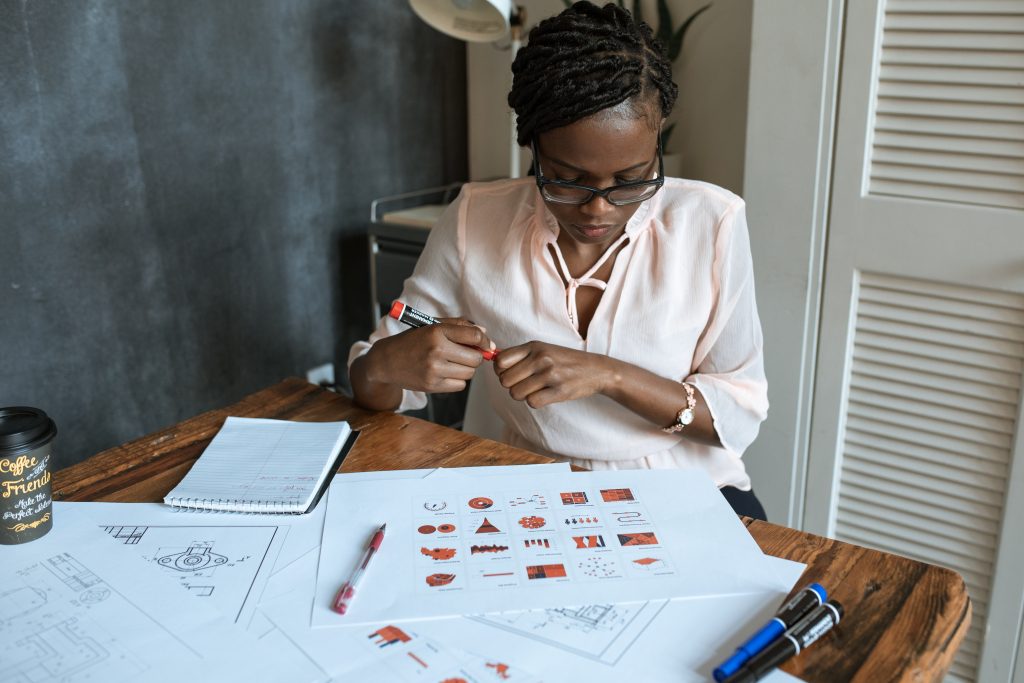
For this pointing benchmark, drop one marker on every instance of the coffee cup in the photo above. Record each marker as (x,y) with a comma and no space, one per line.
(26,438)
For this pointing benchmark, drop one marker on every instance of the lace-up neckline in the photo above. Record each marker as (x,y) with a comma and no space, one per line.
(586,280)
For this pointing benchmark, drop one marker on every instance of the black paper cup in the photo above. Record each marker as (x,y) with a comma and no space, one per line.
(26,436)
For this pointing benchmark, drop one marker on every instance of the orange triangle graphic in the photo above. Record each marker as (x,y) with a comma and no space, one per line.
(487,528)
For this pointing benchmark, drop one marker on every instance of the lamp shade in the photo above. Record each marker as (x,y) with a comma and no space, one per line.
(478,21)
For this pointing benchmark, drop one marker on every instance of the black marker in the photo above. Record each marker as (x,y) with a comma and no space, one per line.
(805,632)
(787,616)
(413,318)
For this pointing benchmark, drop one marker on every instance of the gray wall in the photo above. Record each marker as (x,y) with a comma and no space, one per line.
(184,189)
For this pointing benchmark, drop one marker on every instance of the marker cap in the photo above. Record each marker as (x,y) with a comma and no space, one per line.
(396,310)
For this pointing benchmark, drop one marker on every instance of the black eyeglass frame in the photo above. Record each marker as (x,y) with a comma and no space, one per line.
(658,182)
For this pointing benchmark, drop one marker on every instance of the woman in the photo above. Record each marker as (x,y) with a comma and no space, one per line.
(623,301)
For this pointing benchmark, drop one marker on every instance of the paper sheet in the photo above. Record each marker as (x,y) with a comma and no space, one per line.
(465,545)
(72,610)
(223,559)
(306,530)
(664,640)
(598,643)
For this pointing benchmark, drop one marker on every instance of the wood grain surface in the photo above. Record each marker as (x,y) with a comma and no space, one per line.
(904,619)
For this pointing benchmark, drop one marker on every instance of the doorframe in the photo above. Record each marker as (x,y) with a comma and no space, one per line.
(795,59)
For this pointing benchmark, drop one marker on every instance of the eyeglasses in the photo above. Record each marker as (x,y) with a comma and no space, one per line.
(561,192)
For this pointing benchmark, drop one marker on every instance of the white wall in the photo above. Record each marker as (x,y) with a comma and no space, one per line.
(711,114)
(793,76)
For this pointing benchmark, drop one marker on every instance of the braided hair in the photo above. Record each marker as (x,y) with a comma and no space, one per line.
(582,61)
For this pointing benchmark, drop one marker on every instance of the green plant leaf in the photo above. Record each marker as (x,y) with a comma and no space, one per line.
(664,31)
(675,45)
(638,11)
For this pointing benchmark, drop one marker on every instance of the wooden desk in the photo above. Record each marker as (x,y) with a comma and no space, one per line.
(905,619)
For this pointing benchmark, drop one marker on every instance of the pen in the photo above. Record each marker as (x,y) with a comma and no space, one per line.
(806,631)
(803,602)
(348,589)
(413,318)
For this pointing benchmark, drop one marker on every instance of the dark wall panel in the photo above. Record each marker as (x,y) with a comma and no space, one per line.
(183,187)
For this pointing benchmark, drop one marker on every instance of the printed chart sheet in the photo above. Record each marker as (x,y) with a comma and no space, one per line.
(667,640)
(465,545)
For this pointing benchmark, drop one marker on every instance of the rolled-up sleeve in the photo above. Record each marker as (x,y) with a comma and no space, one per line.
(729,358)
(433,288)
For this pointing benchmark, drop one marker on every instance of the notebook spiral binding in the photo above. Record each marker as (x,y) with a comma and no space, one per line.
(232,505)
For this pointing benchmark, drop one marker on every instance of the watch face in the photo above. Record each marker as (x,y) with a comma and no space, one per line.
(686,417)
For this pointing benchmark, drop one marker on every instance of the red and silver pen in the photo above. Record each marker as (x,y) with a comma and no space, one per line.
(410,316)
(347,592)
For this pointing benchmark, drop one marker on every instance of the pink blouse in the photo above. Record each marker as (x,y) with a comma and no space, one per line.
(679,303)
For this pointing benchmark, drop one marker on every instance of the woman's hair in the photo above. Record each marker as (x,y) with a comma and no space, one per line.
(583,60)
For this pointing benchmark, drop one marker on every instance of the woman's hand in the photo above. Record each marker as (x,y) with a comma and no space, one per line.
(542,374)
(436,359)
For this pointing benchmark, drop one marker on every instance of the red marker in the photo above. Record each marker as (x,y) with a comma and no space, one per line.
(410,316)
(347,592)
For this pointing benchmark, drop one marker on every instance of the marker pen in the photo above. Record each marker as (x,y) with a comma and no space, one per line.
(803,602)
(413,318)
(805,632)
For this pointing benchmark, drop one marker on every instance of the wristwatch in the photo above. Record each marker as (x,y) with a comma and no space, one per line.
(686,415)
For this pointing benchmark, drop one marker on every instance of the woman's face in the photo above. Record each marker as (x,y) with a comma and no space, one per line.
(608,148)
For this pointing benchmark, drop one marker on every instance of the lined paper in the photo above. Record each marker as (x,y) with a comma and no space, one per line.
(260,465)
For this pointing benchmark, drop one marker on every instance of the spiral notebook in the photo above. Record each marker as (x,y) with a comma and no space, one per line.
(264,466)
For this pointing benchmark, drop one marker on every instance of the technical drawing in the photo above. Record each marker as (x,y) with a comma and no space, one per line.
(46,632)
(196,558)
(71,572)
(129,535)
(220,563)
(602,633)
(19,602)
(94,595)
(61,651)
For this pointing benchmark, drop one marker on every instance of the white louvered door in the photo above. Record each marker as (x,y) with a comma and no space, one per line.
(917,446)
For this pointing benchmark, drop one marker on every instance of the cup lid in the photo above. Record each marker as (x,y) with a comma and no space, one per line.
(24,429)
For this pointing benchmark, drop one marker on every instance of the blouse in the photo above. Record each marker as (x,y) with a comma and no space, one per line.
(679,302)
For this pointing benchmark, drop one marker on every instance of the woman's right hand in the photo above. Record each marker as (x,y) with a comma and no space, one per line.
(436,358)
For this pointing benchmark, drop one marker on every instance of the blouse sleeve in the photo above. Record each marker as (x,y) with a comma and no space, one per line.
(433,287)
(728,361)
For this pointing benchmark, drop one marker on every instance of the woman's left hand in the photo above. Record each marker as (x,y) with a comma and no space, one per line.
(541,373)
